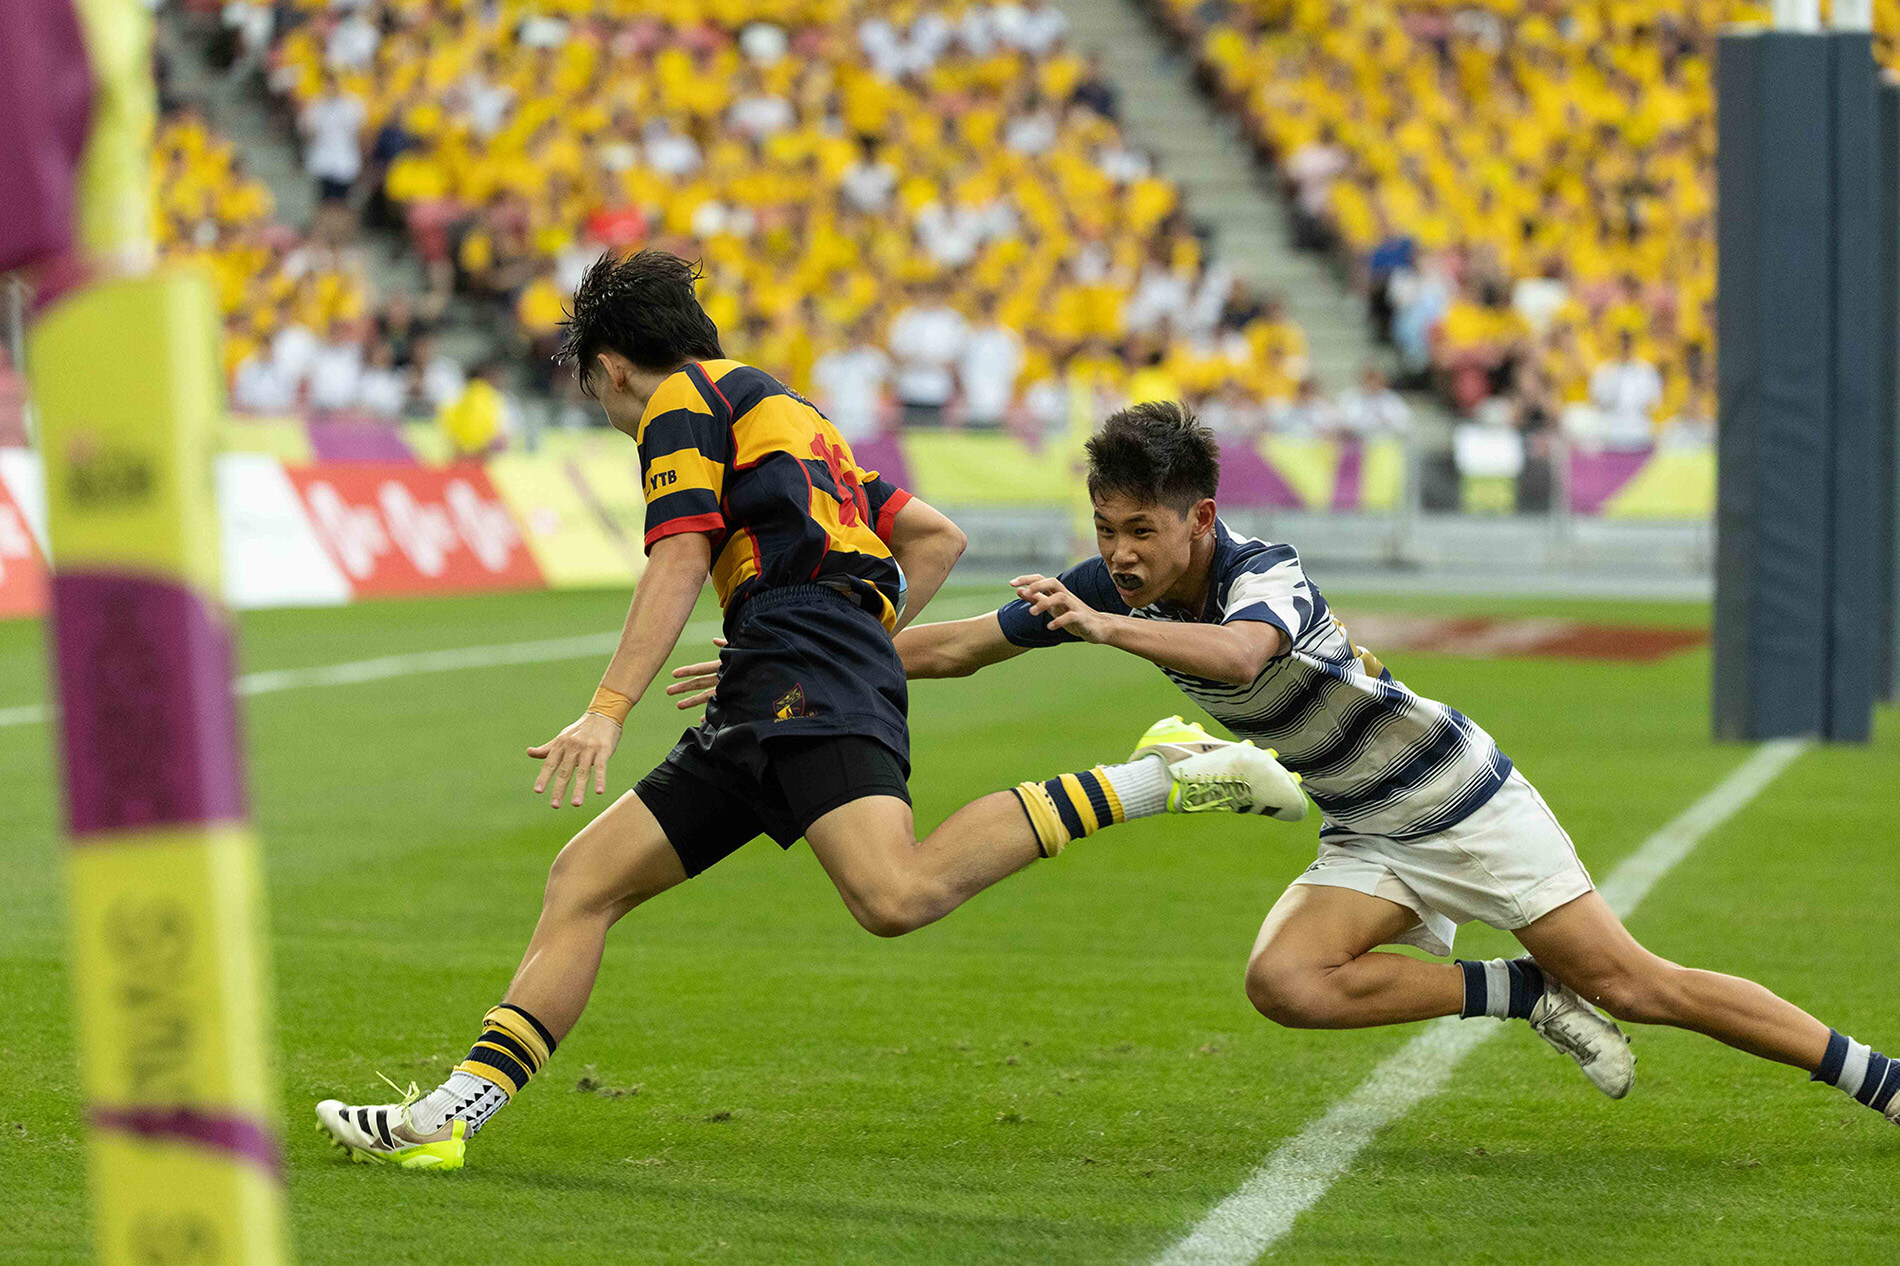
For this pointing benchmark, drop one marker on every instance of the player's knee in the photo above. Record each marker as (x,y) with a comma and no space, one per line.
(894,910)
(580,886)
(1290,994)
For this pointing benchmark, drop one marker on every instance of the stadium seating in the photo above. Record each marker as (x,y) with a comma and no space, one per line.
(1525,189)
(927,202)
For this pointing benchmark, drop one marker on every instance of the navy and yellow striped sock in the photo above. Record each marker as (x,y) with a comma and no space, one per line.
(513,1047)
(1504,988)
(1858,1070)
(1070,807)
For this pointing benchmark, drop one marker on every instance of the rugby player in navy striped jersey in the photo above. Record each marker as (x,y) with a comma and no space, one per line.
(1426,823)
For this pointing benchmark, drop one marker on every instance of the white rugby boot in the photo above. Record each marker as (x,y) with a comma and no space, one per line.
(383,1135)
(1219,774)
(1602,1050)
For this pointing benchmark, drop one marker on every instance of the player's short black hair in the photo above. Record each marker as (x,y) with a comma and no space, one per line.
(1157,453)
(643,307)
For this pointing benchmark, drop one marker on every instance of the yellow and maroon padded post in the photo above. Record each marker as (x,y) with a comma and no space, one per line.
(163,890)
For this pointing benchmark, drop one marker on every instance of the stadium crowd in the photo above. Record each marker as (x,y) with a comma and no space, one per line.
(304,327)
(917,207)
(1523,188)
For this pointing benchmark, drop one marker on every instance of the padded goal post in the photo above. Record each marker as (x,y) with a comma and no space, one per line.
(1804,353)
(164,900)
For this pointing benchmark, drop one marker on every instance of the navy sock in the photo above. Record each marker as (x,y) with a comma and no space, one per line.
(1858,1070)
(1506,988)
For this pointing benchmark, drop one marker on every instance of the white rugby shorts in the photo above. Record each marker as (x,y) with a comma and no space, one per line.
(1506,865)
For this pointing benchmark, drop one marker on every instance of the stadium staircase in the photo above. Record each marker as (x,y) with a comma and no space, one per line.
(1203,153)
(260,128)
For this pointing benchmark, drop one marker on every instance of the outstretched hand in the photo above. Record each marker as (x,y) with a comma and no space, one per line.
(1047,595)
(581,747)
(699,681)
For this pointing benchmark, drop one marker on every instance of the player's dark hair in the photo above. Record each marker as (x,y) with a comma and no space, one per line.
(643,307)
(1156,453)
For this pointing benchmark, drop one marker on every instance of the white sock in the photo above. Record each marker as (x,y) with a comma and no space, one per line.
(1141,786)
(464,1095)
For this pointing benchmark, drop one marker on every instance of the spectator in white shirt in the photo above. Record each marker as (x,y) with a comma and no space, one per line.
(487,96)
(669,152)
(1539,299)
(869,182)
(927,338)
(1162,294)
(757,112)
(383,390)
(1309,415)
(1625,393)
(262,387)
(850,382)
(332,125)
(992,361)
(439,379)
(293,349)
(336,372)
(352,43)
(1372,409)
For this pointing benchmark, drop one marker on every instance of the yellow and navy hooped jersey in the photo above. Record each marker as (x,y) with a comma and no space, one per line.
(728,450)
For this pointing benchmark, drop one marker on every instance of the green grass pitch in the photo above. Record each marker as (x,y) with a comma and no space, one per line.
(1065,1070)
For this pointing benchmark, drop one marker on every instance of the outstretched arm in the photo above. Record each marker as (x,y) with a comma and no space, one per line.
(954,648)
(1233,653)
(676,570)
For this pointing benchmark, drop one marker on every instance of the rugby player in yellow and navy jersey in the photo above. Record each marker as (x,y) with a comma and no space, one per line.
(805,734)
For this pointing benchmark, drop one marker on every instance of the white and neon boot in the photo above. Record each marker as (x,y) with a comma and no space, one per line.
(1220,774)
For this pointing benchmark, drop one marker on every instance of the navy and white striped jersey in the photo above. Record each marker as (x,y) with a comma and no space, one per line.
(1377,758)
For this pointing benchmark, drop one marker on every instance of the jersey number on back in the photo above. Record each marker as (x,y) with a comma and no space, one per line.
(853,507)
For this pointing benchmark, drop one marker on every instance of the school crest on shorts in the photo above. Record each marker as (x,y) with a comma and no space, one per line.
(790,704)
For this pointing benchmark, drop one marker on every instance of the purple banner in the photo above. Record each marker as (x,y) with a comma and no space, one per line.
(884,455)
(353,440)
(1596,477)
(1247,480)
(149,724)
(1349,475)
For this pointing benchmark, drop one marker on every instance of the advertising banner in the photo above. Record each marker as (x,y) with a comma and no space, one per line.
(404,529)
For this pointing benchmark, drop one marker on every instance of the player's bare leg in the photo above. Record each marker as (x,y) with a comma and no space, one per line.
(1586,946)
(894,883)
(1314,964)
(619,860)
(615,863)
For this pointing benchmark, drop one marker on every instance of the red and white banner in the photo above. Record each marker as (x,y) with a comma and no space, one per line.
(404,529)
(22,569)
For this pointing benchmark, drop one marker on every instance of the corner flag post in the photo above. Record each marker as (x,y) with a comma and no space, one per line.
(164,899)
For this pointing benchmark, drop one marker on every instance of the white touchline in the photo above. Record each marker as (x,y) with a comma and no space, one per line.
(382,668)
(1298,1172)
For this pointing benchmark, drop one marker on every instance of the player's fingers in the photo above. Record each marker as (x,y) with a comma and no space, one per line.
(538,753)
(581,768)
(600,776)
(686,704)
(550,759)
(720,642)
(1030,579)
(697,670)
(561,775)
